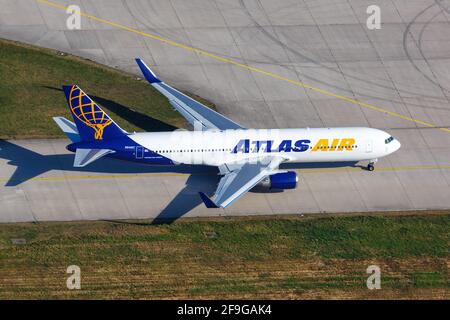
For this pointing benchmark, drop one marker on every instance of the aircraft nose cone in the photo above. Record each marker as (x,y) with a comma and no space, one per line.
(396,145)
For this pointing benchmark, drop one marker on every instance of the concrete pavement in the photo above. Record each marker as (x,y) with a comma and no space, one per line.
(39,183)
(403,69)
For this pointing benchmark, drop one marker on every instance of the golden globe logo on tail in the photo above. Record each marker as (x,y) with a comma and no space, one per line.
(88,112)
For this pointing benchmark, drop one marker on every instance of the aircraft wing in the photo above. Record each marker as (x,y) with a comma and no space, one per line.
(236,183)
(192,110)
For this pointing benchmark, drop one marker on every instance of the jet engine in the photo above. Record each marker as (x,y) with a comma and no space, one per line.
(285,180)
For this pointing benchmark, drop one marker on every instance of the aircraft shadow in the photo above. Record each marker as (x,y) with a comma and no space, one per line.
(30,164)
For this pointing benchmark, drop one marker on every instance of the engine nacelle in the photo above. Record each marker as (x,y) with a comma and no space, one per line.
(285,180)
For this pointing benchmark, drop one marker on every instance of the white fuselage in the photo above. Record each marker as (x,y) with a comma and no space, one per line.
(295,145)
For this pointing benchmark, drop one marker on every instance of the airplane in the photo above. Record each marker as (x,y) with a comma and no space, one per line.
(245,157)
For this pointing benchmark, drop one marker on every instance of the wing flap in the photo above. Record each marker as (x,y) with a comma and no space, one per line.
(189,116)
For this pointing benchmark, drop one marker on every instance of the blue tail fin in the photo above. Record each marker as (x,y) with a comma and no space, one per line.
(91,121)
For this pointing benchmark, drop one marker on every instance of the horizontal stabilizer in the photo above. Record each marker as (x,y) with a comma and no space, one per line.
(69,128)
(85,156)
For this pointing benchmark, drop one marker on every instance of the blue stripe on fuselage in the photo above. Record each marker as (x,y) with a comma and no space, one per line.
(125,149)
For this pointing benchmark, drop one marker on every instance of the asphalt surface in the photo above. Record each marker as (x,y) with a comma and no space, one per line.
(258,56)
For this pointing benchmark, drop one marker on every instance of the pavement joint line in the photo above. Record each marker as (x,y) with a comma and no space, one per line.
(146,175)
(245,66)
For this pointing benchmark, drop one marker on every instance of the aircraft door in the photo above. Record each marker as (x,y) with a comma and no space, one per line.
(139,152)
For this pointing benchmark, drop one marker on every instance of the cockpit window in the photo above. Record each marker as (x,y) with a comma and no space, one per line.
(389,140)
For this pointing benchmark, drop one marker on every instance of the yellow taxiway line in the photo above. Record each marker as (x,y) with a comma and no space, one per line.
(242,65)
(169,174)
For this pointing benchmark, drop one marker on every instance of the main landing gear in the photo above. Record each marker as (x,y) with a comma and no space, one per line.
(371,165)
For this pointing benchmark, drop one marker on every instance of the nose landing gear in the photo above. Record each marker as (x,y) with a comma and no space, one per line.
(371,165)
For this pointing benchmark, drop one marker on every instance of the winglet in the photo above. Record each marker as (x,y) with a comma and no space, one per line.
(148,74)
(207,201)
